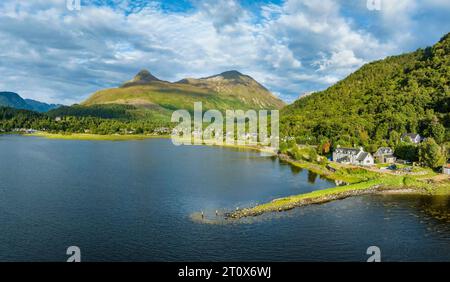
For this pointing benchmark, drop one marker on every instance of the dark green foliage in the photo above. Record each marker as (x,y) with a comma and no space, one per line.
(431,154)
(379,102)
(283,147)
(407,151)
(111,111)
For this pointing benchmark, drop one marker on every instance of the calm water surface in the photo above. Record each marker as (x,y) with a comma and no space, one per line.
(134,200)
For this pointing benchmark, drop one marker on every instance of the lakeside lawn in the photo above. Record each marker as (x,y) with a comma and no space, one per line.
(95,137)
(360,181)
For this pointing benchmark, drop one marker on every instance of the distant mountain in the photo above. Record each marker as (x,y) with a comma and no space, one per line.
(228,90)
(379,102)
(13,100)
(41,106)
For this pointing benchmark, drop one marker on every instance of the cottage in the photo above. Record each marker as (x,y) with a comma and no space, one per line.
(412,137)
(446,169)
(385,155)
(352,156)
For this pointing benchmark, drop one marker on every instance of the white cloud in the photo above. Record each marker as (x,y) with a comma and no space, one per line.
(55,55)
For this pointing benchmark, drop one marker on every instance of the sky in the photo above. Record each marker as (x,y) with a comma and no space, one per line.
(54,53)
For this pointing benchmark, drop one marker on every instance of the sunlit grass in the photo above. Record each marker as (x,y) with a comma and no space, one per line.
(95,137)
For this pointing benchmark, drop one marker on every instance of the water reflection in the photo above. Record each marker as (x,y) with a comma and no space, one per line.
(295,170)
(312,176)
(438,207)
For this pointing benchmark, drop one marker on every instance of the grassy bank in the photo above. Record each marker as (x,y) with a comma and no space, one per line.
(379,185)
(333,171)
(360,181)
(95,137)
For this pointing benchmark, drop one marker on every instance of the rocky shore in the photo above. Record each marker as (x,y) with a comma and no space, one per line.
(289,203)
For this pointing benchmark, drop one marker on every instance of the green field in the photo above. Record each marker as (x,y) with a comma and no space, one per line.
(96,137)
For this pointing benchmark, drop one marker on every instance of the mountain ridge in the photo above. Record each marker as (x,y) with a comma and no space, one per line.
(14,100)
(227,90)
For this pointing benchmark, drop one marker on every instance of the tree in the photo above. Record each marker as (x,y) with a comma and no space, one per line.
(406,151)
(394,138)
(283,147)
(431,154)
(437,131)
(325,147)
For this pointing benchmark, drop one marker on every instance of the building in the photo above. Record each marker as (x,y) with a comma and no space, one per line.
(446,169)
(385,155)
(413,137)
(352,156)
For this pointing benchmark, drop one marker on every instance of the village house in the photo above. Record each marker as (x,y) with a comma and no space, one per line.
(413,137)
(446,169)
(385,155)
(352,156)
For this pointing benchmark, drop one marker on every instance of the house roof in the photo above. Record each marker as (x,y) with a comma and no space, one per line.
(362,156)
(384,150)
(352,151)
(410,135)
(344,159)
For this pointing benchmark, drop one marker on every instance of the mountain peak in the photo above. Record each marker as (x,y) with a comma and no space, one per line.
(145,75)
(231,74)
(142,77)
(9,94)
(13,100)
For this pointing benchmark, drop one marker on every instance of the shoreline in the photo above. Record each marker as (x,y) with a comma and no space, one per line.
(318,197)
(382,184)
(376,182)
(95,137)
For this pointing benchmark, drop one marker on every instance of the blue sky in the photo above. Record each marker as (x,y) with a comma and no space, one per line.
(53,54)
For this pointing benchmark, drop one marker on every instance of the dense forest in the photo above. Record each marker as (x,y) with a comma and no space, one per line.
(11,119)
(378,103)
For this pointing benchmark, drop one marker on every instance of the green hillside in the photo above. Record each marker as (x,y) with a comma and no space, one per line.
(380,101)
(229,90)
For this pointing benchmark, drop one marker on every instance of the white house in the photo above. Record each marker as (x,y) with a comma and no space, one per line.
(413,137)
(352,156)
(385,155)
(446,169)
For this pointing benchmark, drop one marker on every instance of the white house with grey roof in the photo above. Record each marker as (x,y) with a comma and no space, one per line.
(352,156)
(385,155)
(413,137)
